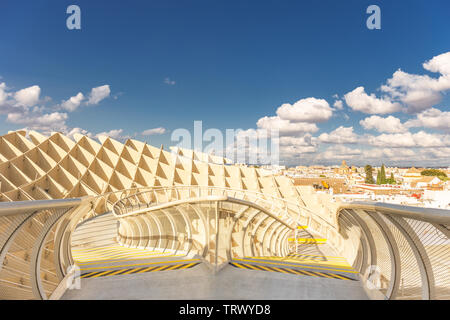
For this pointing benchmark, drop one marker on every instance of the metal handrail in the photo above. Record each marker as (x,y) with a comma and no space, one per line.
(194,187)
(441,216)
(45,215)
(219,188)
(262,196)
(203,199)
(19,207)
(417,242)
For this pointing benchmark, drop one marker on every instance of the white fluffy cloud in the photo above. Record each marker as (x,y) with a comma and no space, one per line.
(338,104)
(441,64)
(36,121)
(427,140)
(408,139)
(439,153)
(73,102)
(414,92)
(98,94)
(169,81)
(339,152)
(389,124)
(420,100)
(95,97)
(393,154)
(359,100)
(303,141)
(154,131)
(403,92)
(431,118)
(420,92)
(310,110)
(293,151)
(3,93)
(28,97)
(341,135)
(71,132)
(115,134)
(285,127)
(25,107)
(297,146)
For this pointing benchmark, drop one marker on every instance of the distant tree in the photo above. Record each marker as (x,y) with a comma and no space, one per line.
(369,177)
(391,180)
(378,177)
(434,172)
(382,175)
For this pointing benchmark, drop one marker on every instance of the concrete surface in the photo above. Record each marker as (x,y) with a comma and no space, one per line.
(229,283)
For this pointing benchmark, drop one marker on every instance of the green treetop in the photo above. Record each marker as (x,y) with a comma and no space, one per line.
(391,180)
(434,172)
(369,177)
(378,177)
(383,175)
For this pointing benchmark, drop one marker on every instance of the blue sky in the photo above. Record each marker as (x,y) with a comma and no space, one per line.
(164,64)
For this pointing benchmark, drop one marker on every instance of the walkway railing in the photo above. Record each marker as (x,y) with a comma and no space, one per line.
(401,252)
(29,252)
(288,210)
(216,223)
(35,242)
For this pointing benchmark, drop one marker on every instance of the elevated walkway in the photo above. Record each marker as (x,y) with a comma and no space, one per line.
(219,243)
(108,271)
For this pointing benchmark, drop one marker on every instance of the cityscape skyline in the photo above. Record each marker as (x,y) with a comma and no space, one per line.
(354,103)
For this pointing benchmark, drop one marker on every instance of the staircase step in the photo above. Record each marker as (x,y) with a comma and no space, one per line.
(310,266)
(302,272)
(138,268)
(339,264)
